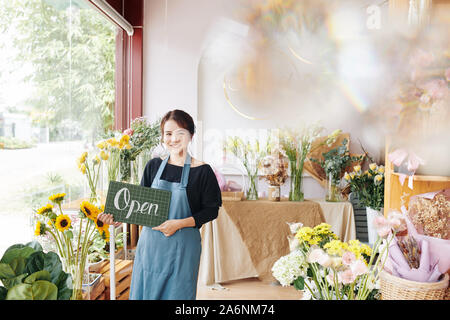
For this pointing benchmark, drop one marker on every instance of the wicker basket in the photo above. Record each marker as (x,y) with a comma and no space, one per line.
(395,288)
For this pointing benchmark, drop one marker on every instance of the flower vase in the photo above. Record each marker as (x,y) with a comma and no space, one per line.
(79,275)
(124,169)
(274,193)
(295,192)
(371,215)
(333,190)
(252,192)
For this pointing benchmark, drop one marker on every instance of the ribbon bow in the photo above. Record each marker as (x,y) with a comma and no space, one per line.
(398,156)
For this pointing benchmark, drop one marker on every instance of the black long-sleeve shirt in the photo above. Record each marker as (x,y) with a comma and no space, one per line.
(202,190)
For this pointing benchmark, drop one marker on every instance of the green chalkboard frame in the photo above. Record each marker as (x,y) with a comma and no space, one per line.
(134,204)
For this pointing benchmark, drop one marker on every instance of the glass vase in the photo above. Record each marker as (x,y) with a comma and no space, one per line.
(79,275)
(295,192)
(252,192)
(124,169)
(333,190)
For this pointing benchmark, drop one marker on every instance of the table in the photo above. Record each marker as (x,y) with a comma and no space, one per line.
(249,236)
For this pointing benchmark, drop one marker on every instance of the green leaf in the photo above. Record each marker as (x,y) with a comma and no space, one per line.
(39,275)
(11,282)
(39,290)
(18,265)
(35,245)
(35,262)
(310,273)
(299,283)
(52,264)
(6,271)
(16,251)
(64,285)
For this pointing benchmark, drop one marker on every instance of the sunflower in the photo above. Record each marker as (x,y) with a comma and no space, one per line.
(89,210)
(62,222)
(101,226)
(40,229)
(57,198)
(104,233)
(45,209)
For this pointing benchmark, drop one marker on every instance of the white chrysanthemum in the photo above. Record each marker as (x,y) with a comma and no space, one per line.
(289,267)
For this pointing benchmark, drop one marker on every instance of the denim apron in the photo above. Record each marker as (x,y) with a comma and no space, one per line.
(166,268)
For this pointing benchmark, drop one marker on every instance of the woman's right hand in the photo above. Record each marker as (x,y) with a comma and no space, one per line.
(108,219)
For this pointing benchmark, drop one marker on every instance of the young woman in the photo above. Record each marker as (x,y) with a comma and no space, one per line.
(168,256)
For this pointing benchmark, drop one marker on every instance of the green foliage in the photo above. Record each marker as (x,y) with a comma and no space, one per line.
(299,283)
(145,137)
(71,52)
(28,273)
(336,160)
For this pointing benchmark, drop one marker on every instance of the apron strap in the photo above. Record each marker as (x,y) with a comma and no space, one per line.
(161,169)
(185,173)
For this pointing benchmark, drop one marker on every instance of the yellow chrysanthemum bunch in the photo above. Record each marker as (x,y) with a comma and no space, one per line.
(315,236)
(335,247)
(359,249)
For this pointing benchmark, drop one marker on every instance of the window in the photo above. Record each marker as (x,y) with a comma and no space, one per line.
(57,97)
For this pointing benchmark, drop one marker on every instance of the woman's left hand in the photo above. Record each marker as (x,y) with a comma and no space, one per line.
(168,227)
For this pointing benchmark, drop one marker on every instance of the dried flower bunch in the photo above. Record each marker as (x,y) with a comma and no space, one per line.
(431,217)
(411,251)
(274,168)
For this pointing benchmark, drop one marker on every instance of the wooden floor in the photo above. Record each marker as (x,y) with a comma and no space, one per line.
(248,289)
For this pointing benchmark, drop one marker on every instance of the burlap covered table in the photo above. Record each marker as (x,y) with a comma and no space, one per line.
(249,236)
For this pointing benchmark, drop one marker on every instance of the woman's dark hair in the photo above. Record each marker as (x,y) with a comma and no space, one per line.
(183,119)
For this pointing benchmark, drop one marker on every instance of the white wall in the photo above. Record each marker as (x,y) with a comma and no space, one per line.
(184,67)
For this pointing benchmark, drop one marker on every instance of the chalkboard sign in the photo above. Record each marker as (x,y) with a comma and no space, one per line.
(135,204)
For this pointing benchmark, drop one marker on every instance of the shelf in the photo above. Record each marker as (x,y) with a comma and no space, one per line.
(426,178)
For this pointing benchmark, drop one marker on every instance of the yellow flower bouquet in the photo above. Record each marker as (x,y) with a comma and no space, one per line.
(72,238)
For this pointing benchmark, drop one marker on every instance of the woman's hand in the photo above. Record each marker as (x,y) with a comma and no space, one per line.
(108,219)
(169,227)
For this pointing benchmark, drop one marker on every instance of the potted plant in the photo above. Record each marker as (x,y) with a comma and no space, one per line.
(334,163)
(368,187)
(250,155)
(27,273)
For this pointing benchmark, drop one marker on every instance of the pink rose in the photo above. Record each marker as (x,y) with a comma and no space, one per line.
(315,255)
(325,260)
(348,257)
(384,232)
(319,256)
(346,277)
(397,221)
(129,132)
(358,268)
(380,222)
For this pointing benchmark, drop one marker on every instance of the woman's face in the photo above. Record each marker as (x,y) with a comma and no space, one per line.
(175,138)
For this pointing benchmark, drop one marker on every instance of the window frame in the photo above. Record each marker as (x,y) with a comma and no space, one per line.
(129,67)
